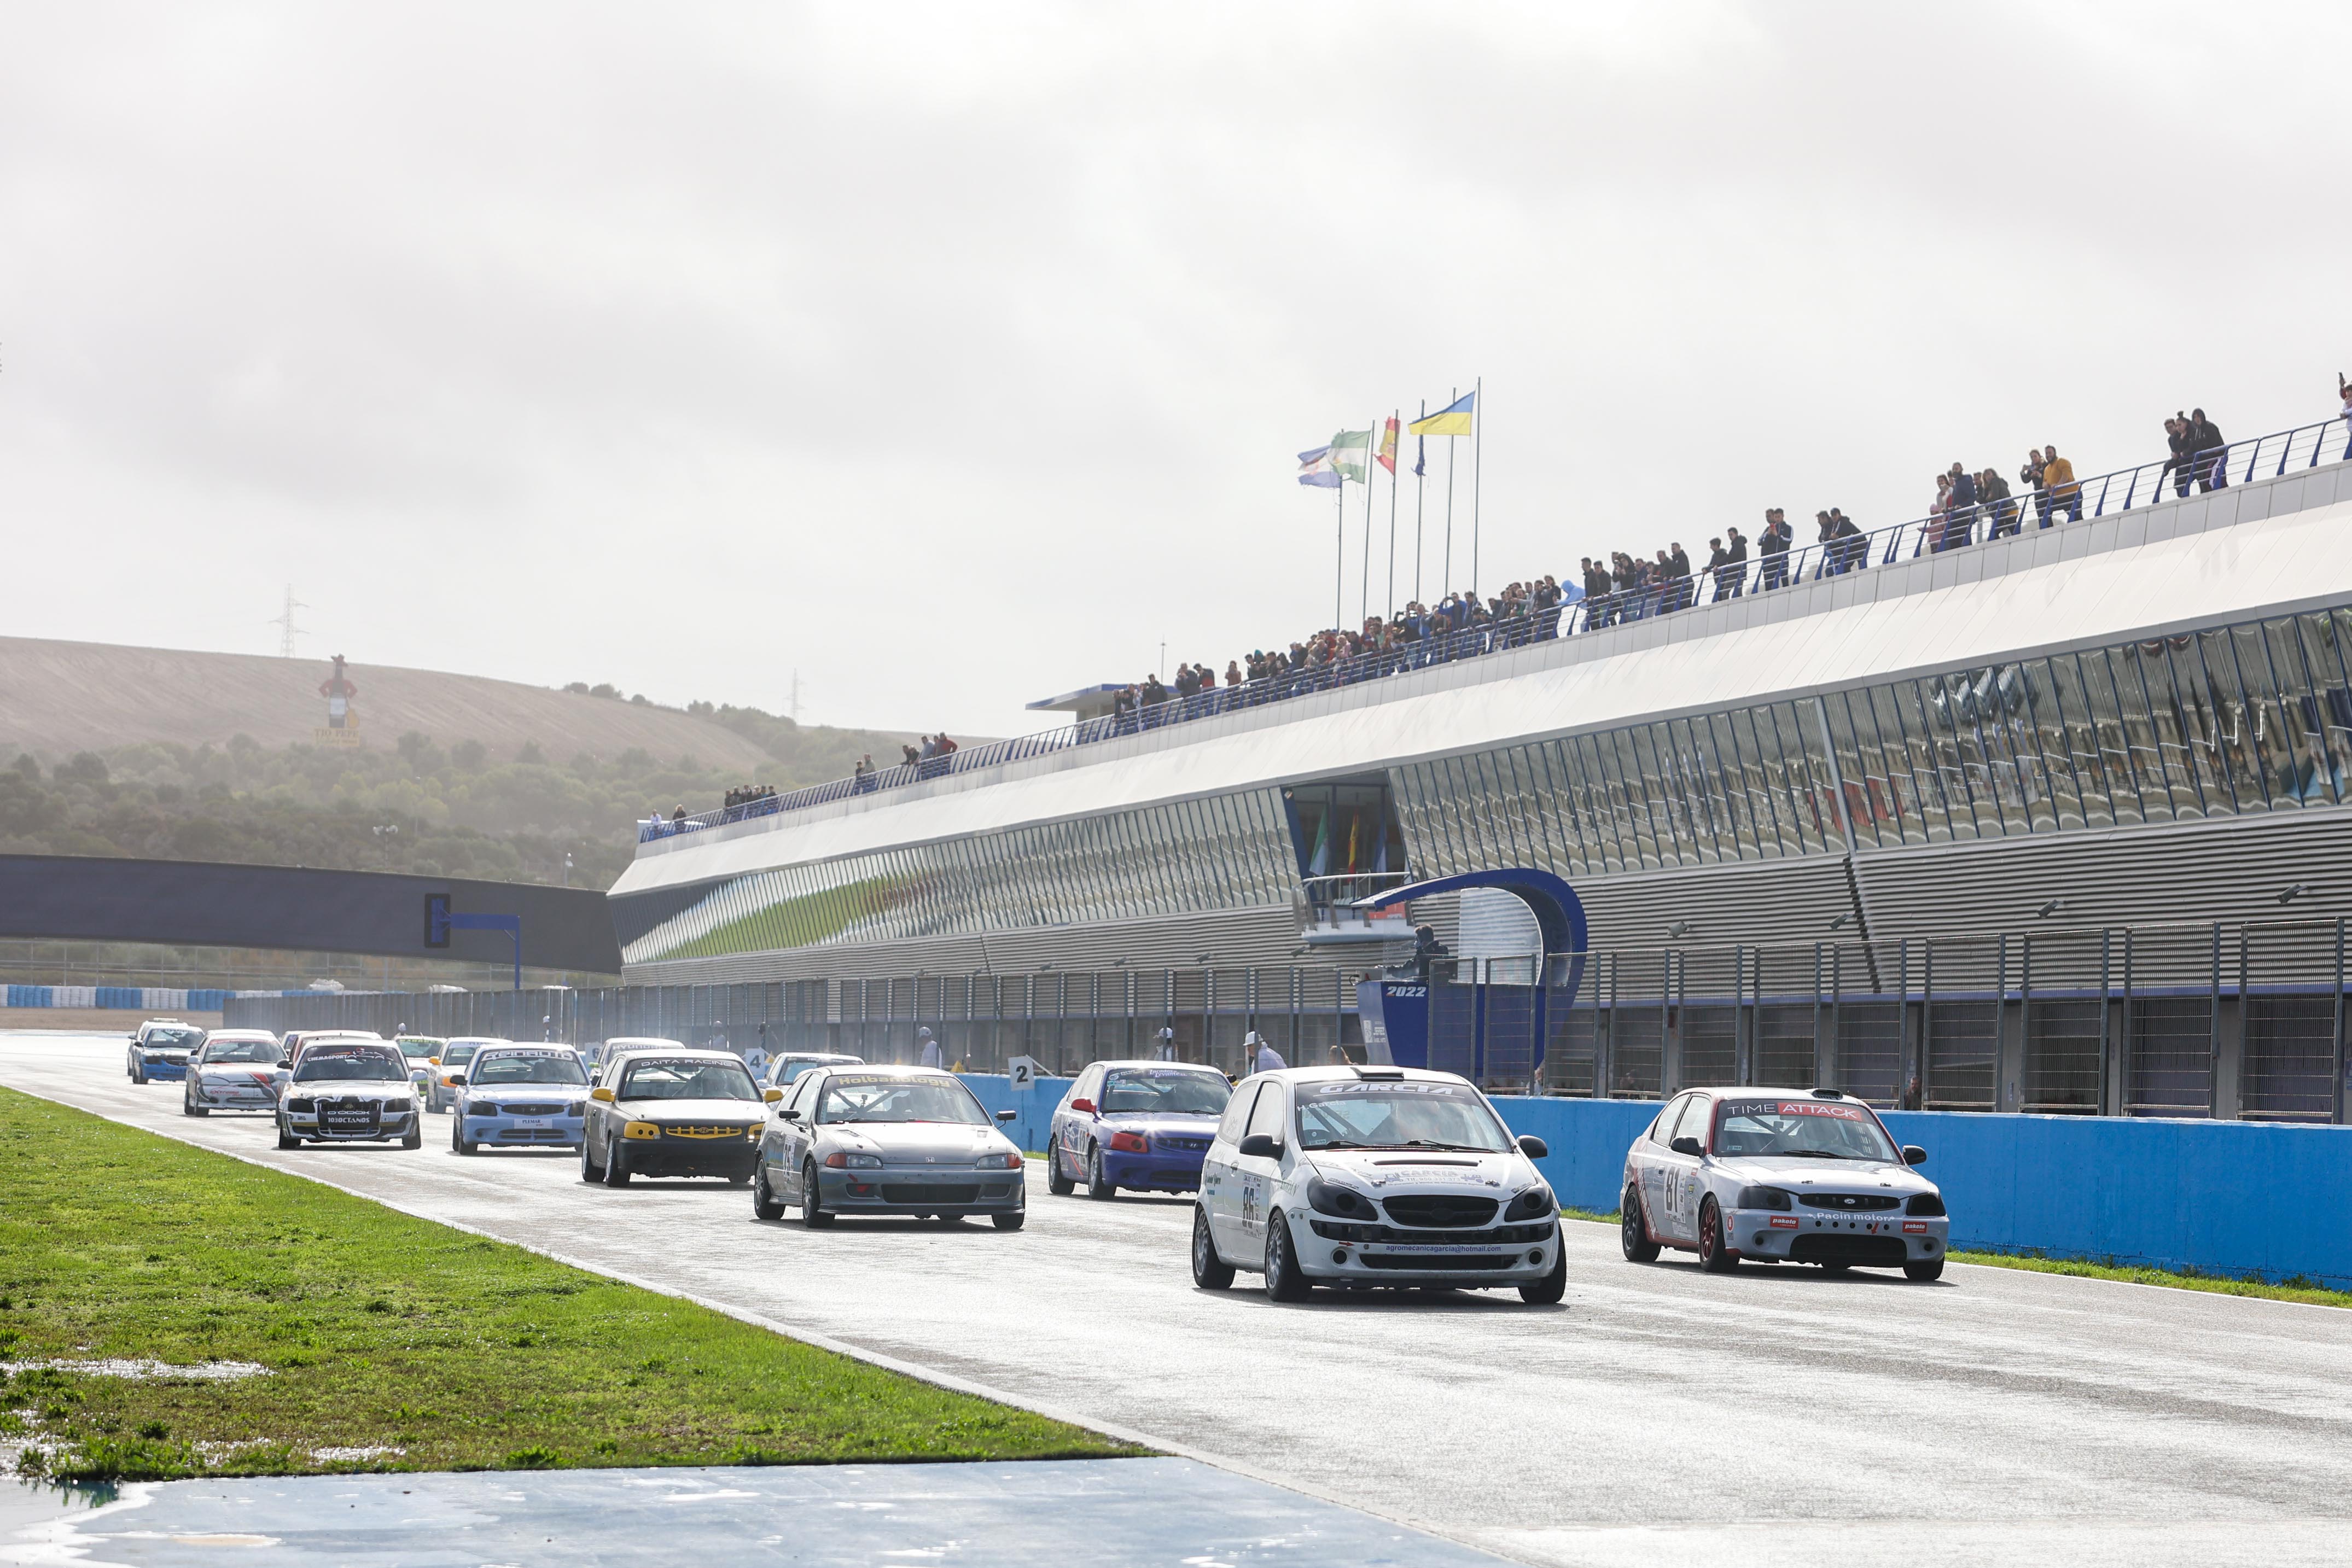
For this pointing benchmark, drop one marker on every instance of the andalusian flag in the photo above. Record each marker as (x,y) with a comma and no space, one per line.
(1351,453)
(1454,419)
(1315,469)
(1388,446)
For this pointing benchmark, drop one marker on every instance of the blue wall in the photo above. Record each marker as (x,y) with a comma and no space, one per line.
(2222,1197)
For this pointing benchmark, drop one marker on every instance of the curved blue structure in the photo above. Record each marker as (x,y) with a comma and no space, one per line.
(1398,1014)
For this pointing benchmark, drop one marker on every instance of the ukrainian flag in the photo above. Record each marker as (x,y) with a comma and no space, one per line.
(1454,419)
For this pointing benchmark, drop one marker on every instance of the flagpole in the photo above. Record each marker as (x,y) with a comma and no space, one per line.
(1364,588)
(1447,587)
(1420,500)
(1339,551)
(1478,432)
(1396,419)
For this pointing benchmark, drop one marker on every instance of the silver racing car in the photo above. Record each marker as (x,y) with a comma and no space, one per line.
(907,1140)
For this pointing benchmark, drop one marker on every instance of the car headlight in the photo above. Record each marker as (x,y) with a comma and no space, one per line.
(642,1129)
(1001,1162)
(303,1106)
(1330,1197)
(1532,1204)
(577,1108)
(1930,1204)
(838,1161)
(1764,1197)
(481,1108)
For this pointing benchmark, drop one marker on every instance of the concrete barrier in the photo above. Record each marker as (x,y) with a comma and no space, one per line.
(2251,1199)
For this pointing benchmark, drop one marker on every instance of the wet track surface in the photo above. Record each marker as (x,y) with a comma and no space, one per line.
(1773,1415)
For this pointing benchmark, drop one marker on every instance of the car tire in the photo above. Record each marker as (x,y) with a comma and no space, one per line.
(1097,1187)
(138,1074)
(190,1108)
(459,1142)
(1058,1183)
(1716,1255)
(1210,1271)
(763,1207)
(590,1171)
(1924,1270)
(1284,1280)
(1008,1221)
(413,1138)
(1548,1291)
(616,1165)
(1634,1229)
(286,1140)
(813,1214)
(738,1177)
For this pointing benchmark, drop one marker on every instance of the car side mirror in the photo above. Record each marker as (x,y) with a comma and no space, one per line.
(1006,1115)
(1086,1106)
(603,1094)
(788,1114)
(457,1081)
(772,1095)
(1258,1146)
(1535,1148)
(1912,1155)
(1687,1144)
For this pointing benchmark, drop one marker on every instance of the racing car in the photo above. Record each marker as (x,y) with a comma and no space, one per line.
(1370,1177)
(520,1096)
(904,1141)
(348,1090)
(441,1087)
(234,1069)
(672,1111)
(1785,1176)
(160,1050)
(1144,1126)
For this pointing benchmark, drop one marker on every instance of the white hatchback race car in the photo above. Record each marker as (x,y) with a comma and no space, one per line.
(1370,1177)
(1785,1176)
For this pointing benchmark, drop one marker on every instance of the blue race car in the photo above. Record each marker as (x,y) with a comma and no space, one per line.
(160,1050)
(518,1097)
(1145,1125)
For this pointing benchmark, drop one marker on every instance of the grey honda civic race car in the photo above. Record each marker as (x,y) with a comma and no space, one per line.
(904,1141)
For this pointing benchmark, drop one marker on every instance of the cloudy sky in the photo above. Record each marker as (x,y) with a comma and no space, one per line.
(958,355)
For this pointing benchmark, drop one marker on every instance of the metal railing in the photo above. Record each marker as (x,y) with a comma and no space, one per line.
(2266,456)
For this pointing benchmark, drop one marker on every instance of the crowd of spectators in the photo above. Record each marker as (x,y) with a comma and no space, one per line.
(750,794)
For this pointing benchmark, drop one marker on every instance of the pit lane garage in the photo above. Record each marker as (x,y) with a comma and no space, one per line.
(1741,1175)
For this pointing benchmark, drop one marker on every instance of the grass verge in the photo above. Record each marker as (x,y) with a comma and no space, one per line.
(392,1343)
(2296,1290)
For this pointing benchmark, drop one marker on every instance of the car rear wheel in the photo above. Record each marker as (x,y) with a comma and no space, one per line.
(1008,1221)
(1057,1183)
(616,1165)
(1097,1184)
(1284,1280)
(589,1169)
(1210,1271)
(1548,1291)
(1924,1270)
(762,1205)
(813,1214)
(1714,1255)
(1634,1231)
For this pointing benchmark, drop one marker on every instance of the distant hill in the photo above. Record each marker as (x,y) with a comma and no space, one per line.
(59,698)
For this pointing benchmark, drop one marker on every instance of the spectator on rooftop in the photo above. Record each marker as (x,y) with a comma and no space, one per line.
(677,818)
(2180,437)
(2212,455)
(1993,491)
(2344,390)
(1856,549)
(1678,568)
(1964,507)
(2065,491)
(2032,476)
(1773,545)
(1233,672)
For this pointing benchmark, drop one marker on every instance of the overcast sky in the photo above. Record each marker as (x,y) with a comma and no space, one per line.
(958,355)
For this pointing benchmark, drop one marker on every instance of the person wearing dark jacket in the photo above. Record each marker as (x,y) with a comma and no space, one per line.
(2180,437)
(2213,453)
(1679,592)
(1993,490)
(1732,577)
(1773,545)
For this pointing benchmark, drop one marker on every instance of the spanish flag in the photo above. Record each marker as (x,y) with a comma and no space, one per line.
(1387,458)
(1454,419)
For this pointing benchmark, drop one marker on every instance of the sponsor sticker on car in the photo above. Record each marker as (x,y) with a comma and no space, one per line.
(1793,1108)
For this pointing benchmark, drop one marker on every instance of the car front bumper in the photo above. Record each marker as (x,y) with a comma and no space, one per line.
(231,1095)
(393,1123)
(504,1131)
(1339,1252)
(1865,1240)
(923,1189)
(165,1072)
(1154,1170)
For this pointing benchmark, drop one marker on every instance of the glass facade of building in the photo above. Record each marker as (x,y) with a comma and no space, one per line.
(1227,852)
(2240,719)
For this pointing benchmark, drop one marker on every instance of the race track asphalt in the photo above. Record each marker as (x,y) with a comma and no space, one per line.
(1771,1416)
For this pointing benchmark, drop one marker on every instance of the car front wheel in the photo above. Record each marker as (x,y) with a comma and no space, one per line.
(589,1169)
(458,1142)
(1098,1186)
(138,1072)
(1634,1231)
(190,1108)
(616,1165)
(1057,1183)
(813,1214)
(286,1138)
(1210,1271)
(1548,1291)
(1715,1255)
(1285,1281)
(763,1206)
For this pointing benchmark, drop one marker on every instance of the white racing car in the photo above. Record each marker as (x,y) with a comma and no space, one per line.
(1373,1177)
(1785,1175)
(237,1069)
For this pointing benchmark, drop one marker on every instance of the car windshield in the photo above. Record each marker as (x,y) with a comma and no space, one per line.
(330,1064)
(257,1051)
(1818,1129)
(418,1050)
(688,1080)
(174,1038)
(860,1097)
(527,1067)
(789,1067)
(457,1055)
(1165,1091)
(1377,1114)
